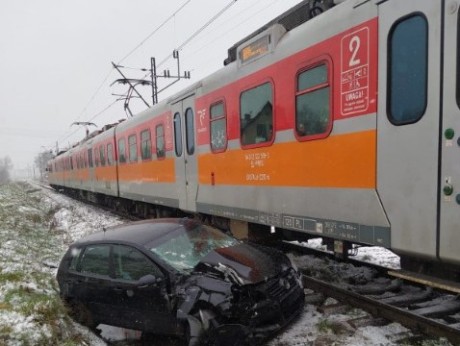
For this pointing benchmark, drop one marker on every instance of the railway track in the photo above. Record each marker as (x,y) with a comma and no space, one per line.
(426,307)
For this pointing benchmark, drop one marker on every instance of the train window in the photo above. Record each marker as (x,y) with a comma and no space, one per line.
(90,157)
(122,150)
(218,127)
(408,69)
(96,157)
(110,154)
(189,131)
(160,141)
(313,114)
(256,115)
(132,143)
(146,145)
(178,134)
(102,155)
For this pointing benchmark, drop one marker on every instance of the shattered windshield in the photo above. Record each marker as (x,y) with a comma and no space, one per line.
(183,249)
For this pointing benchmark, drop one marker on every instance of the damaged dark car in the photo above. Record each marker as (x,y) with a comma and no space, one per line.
(180,277)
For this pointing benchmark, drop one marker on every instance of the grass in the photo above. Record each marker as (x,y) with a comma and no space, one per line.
(27,287)
(11,277)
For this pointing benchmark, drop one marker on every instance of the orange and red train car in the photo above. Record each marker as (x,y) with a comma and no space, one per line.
(344,127)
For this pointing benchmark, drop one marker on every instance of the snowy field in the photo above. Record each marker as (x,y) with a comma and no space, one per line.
(37,225)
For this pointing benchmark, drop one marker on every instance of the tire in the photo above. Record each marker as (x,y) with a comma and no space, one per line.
(200,329)
(208,330)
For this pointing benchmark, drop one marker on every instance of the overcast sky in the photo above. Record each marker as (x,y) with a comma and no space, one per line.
(55,59)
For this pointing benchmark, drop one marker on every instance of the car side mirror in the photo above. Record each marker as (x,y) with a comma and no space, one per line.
(148,280)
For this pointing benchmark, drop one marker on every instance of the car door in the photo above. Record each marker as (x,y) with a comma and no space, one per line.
(139,290)
(93,281)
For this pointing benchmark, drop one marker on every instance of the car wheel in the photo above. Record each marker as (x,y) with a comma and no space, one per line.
(200,328)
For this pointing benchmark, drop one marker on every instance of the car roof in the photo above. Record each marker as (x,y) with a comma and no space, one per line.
(140,232)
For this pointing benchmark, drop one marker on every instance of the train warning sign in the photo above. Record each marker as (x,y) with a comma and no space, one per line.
(354,86)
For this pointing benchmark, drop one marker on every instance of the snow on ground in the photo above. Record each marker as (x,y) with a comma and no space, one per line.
(371,254)
(37,225)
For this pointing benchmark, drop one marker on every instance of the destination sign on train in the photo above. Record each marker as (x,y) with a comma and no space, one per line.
(255,49)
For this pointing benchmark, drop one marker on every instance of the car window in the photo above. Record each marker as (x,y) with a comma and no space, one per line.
(183,249)
(74,255)
(130,264)
(96,260)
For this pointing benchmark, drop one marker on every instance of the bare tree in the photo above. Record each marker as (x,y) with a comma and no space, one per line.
(5,167)
(41,162)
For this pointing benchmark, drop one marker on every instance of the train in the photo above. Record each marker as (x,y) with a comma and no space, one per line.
(337,119)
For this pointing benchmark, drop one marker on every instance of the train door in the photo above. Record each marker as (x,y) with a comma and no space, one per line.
(450,142)
(408,121)
(185,151)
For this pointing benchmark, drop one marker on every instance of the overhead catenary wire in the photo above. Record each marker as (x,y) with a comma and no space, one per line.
(179,48)
(219,35)
(196,33)
(95,93)
(99,88)
(129,54)
(187,41)
(154,31)
(67,136)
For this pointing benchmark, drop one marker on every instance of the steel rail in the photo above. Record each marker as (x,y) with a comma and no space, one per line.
(376,308)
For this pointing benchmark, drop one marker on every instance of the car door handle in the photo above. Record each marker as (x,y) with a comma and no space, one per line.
(118,290)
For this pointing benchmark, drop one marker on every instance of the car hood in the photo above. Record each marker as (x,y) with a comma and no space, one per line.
(244,263)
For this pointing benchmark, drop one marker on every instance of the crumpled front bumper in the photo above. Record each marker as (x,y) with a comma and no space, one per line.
(266,317)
